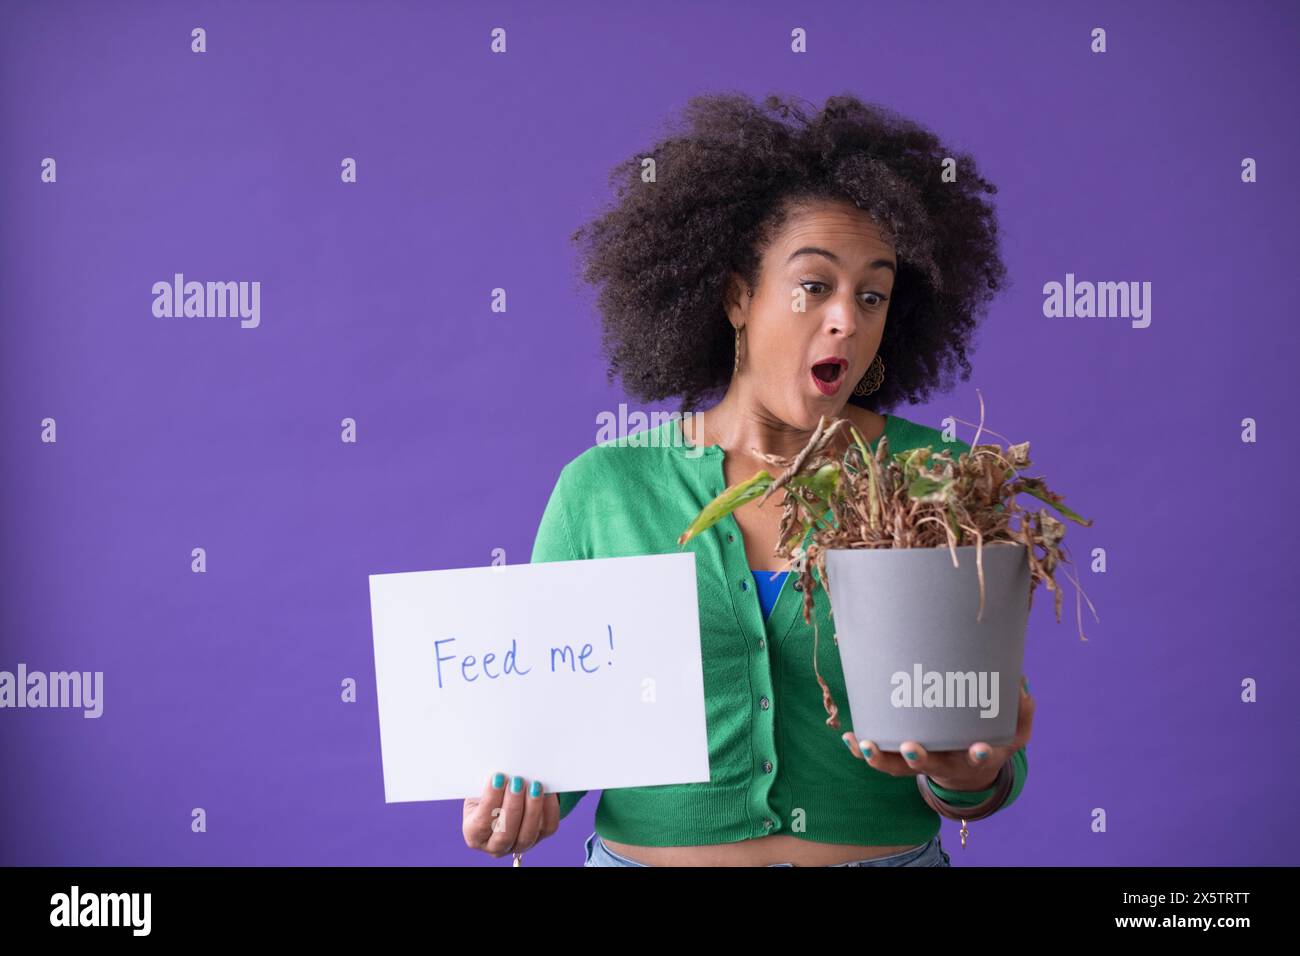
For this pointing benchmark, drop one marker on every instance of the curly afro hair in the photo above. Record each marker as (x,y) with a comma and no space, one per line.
(662,255)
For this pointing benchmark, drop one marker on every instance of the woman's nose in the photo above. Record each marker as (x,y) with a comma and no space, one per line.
(842,318)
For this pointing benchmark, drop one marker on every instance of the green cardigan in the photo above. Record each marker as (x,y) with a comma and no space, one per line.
(775,765)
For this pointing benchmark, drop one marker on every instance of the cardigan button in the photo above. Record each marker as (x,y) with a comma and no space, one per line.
(744,585)
(763,702)
(798,585)
(767,822)
(767,766)
(761,643)
(730,536)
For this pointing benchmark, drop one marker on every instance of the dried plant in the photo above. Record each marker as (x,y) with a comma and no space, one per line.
(911,499)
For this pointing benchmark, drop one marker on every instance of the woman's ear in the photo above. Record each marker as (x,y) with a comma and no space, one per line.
(737,299)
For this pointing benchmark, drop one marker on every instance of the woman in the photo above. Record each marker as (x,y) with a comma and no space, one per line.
(759,258)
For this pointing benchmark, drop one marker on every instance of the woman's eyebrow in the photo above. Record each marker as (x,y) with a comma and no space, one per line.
(818,251)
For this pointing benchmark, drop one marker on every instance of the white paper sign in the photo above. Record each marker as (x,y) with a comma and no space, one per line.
(583,675)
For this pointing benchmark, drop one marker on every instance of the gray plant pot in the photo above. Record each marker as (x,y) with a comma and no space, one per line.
(900,610)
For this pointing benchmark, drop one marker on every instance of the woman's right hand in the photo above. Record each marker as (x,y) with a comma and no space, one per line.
(505,820)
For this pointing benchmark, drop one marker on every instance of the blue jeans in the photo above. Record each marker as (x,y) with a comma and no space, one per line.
(927,854)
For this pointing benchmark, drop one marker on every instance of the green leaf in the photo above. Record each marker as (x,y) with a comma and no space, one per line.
(928,489)
(1036,488)
(826,482)
(862,445)
(727,502)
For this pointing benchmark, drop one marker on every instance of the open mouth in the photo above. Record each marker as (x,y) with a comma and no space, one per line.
(828,375)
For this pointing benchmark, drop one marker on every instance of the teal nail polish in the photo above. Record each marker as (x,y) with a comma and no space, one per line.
(867,751)
(516,784)
(536,789)
(498,781)
(981,755)
(909,754)
(847,744)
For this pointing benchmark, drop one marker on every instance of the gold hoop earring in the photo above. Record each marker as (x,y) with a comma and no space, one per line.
(873,378)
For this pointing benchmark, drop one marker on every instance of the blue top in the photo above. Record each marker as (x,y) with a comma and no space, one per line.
(768,588)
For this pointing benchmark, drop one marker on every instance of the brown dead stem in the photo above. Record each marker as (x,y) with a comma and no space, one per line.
(920,498)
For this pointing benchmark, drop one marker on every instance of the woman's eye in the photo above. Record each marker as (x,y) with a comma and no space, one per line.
(874,298)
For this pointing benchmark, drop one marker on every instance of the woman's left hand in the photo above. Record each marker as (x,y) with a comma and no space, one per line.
(950,769)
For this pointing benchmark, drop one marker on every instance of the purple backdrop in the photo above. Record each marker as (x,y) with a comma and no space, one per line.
(221,690)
